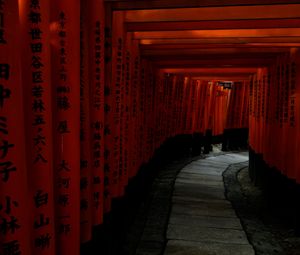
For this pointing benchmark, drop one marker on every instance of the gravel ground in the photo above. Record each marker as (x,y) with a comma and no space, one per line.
(268,231)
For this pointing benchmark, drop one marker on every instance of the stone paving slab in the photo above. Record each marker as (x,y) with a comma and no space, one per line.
(198,200)
(198,177)
(228,158)
(199,221)
(208,163)
(204,209)
(202,181)
(206,171)
(202,221)
(213,235)
(212,193)
(201,185)
(178,247)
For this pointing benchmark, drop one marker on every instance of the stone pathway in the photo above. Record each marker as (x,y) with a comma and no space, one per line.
(202,220)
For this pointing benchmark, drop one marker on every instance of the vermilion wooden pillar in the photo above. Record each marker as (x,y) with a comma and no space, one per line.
(96,37)
(134,108)
(113,139)
(296,122)
(65,53)
(293,113)
(14,197)
(126,111)
(85,134)
(37,85)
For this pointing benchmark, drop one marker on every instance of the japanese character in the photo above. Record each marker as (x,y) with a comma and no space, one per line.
(2,39)
(39,156)
(8,205)
(11,248)
(107,130)
(64,229)
(37,77)
(37,91)
(4,71)
(63,89)
(6,168)
(98,125)
(64,183)
(63,200)
(35,4)
(63,166)
(39,120)
(63,103)
(84,204)
(38,106)
(106,168)
(36,62)
(3,125)
(9,226)
(62,34)
(106,154)
(35,33)
(4,148)
(40,199)
(36,47)
(62,16)
(39,139)
(83,183)
(43,241)
(107,91)
(63,76)
(98,69)
(97,180)
(96,197)
(1,16)
(41,222)
(83,164)
(63,52)
(97,154)
(106,108)
(97,163)
(82,135)
(4,94)
(97,136)
(63,127)
(35,17)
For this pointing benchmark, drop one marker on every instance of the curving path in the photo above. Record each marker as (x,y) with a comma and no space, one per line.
(202,220)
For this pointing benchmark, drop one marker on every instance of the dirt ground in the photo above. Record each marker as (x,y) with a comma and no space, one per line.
(268,231)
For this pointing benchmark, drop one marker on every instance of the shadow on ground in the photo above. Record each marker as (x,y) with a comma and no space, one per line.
(268,231)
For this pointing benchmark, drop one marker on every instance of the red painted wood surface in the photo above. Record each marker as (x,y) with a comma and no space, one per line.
(65,57)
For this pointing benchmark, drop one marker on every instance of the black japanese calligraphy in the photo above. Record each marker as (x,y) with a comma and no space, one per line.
(63,166)
(5,169)
(11,248)
(5,93)
(63,127)
(4,71)
(43,241)
(8,205)
(4,148)
(41,198)
(35,17)
(9,226)
(41,221)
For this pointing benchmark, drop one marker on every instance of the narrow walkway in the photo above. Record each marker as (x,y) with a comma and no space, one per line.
(202,220)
